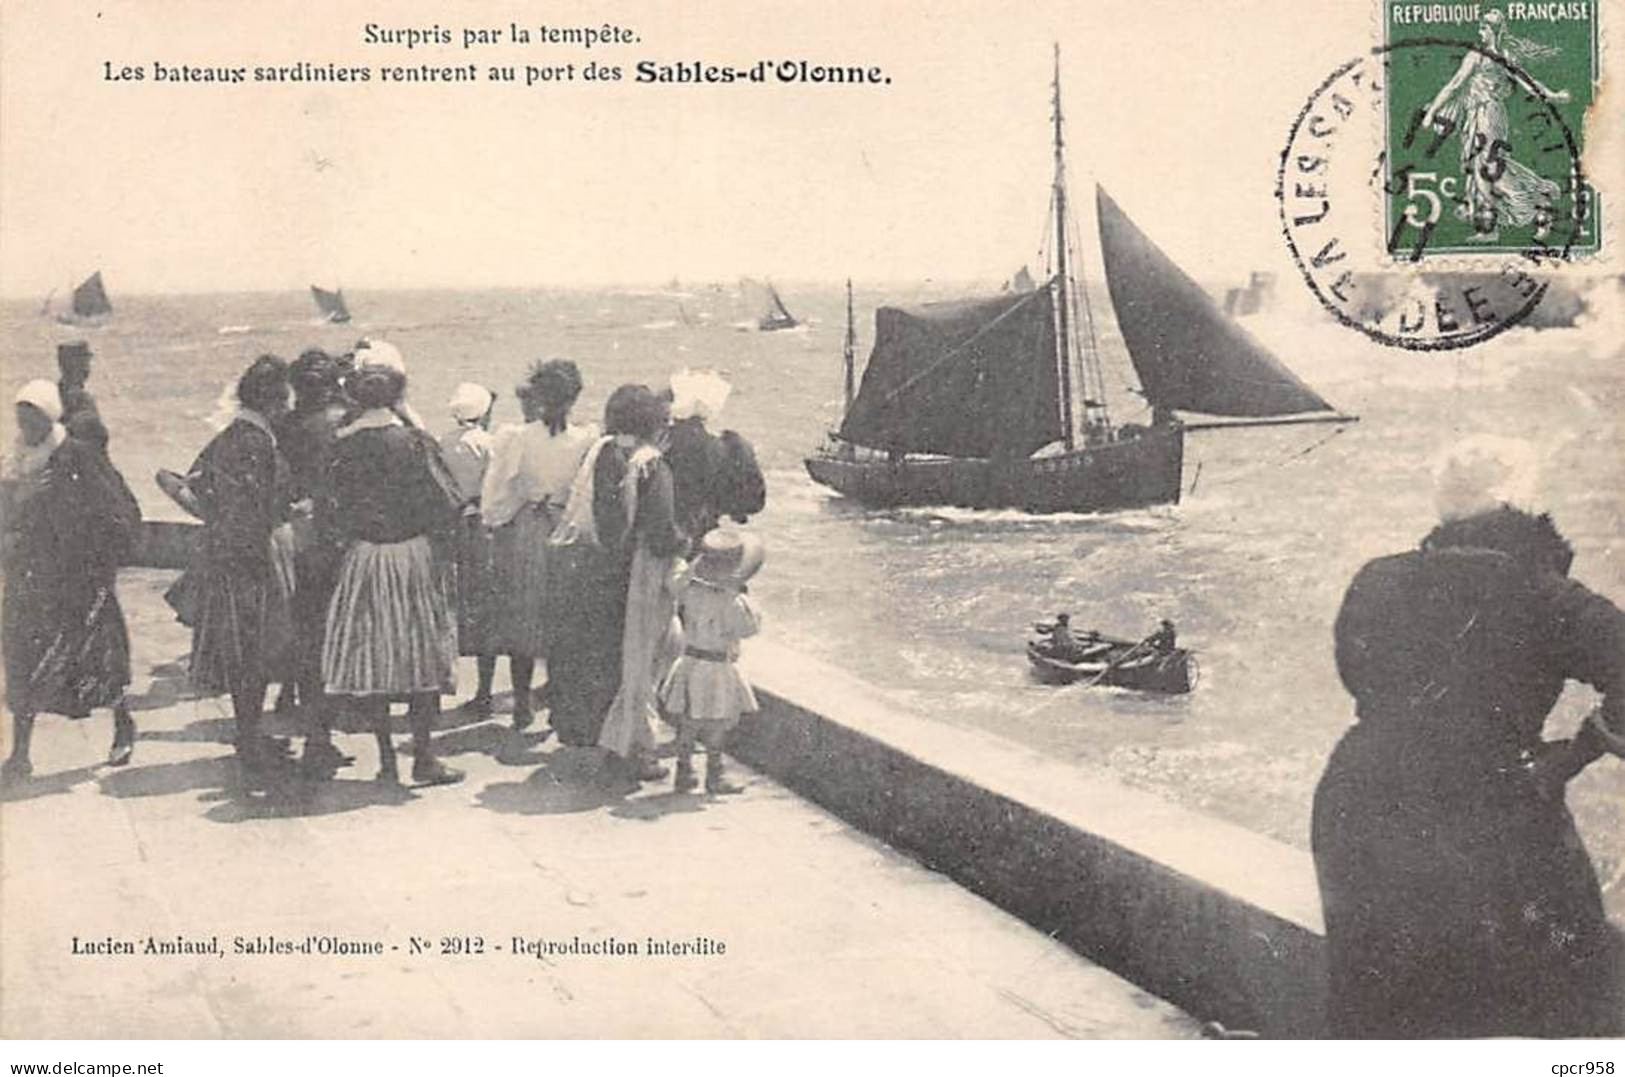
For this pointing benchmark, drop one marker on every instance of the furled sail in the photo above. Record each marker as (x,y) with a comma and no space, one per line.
(1189,356)
(972,378)
(331,304)
(90,298)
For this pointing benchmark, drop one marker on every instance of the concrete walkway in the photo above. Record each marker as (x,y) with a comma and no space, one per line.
(796,925)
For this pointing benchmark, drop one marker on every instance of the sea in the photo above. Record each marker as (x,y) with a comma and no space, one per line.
(932,606)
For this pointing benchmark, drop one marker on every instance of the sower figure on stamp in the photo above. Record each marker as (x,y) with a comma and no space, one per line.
(1497,188)
(1459,900)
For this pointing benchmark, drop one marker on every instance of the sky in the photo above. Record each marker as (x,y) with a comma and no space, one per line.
(1179,109)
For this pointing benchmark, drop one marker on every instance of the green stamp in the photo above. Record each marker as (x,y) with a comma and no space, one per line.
(1483,128)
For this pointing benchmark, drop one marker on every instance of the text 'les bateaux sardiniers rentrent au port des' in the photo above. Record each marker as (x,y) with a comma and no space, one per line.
(483,40)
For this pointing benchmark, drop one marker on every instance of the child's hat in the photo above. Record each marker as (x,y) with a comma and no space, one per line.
(728,553)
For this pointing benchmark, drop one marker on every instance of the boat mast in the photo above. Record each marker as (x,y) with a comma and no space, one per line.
(851,347)
(1062,281)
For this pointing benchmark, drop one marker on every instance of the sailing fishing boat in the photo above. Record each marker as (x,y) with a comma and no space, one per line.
(331,304)
(89,301)
(959,397)
(777,315)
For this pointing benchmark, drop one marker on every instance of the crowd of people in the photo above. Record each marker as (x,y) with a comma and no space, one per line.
(351,556)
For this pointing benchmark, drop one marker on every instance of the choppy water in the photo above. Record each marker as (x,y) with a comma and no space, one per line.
(932,606)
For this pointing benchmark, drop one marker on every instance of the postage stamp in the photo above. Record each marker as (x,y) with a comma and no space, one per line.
(1429,188)
(1484,125)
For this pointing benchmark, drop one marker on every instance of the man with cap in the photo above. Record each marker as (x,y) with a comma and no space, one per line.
(73,363)
(1459,900)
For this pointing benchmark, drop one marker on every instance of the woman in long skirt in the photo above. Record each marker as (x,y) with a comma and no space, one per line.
(466,450)
(69,519)
(391,626)
(242,633)
(633,514)
(523,499)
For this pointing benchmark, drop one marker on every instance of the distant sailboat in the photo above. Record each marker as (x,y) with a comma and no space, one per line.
(89,301)
(1021,282)
(777,316)
(331,304)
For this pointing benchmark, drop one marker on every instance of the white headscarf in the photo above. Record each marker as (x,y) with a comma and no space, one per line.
(379,353)
(469,402)
(29,459)
(383,353)
(1483,472)
(698,394)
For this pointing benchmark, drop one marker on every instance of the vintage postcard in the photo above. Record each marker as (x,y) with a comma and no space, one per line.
(908,520)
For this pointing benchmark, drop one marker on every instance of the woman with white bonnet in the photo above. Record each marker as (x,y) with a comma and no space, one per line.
(522,500)
(391,625)
(1459,900)
(68,521)
(466,449)
(381,353)
(712,476)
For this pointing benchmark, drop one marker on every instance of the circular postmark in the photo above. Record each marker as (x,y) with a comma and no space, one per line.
(1426,229)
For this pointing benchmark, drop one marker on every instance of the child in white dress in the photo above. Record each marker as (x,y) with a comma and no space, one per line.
(705,694)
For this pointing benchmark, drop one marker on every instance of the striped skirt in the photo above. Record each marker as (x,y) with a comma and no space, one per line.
(390,625)
(519,622)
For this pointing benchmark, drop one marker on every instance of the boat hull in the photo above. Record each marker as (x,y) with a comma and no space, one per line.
(1129,473)
(1174,673)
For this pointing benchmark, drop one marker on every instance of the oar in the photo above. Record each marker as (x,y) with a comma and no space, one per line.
(1114,663)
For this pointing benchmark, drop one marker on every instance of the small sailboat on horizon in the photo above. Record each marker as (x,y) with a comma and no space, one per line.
(331,304)
(89,304)
(777,316)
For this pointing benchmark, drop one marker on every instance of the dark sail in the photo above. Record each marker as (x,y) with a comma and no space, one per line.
(1189,356)
(974,378)
(777,316)
(90,298)
(331,304)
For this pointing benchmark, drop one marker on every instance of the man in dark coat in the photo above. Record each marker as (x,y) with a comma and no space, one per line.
(1459,900)
(73,364)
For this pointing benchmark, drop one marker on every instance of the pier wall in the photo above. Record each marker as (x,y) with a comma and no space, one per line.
(1222,921)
